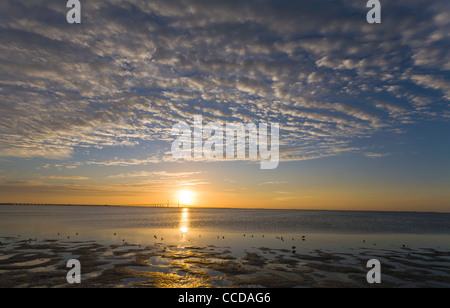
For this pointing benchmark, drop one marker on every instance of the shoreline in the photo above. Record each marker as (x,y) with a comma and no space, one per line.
(224,208)
(28,263)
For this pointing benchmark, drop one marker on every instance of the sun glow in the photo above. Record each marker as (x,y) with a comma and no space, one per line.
(186,197)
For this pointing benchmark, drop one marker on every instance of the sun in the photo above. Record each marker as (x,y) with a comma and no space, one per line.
(185,197)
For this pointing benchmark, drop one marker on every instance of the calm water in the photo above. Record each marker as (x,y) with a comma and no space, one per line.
(226,227)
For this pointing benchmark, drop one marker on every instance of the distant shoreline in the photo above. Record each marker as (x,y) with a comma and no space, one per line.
(206,207)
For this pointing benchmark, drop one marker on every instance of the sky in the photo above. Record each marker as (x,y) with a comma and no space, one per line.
(87,109)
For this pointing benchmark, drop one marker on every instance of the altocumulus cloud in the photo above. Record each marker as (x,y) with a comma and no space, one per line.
(133,68)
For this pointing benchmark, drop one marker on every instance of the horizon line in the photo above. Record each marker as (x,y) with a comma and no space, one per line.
(164,205)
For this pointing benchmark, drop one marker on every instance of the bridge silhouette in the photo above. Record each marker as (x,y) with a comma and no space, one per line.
(166,204)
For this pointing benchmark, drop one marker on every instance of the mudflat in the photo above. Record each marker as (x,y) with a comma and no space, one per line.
(43,263)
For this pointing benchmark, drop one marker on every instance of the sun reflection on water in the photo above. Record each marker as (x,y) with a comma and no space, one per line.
(184,220)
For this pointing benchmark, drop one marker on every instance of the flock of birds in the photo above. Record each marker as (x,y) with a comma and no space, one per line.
(281,238)
(162,239)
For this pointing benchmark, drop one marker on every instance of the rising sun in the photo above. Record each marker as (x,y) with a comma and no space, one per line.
(186,197)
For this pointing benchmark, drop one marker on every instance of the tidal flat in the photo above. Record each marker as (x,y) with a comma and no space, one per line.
(35,263)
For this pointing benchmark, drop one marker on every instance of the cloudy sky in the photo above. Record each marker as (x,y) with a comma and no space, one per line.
(87,109)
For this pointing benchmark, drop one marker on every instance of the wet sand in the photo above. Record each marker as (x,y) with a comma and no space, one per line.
(28,263)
